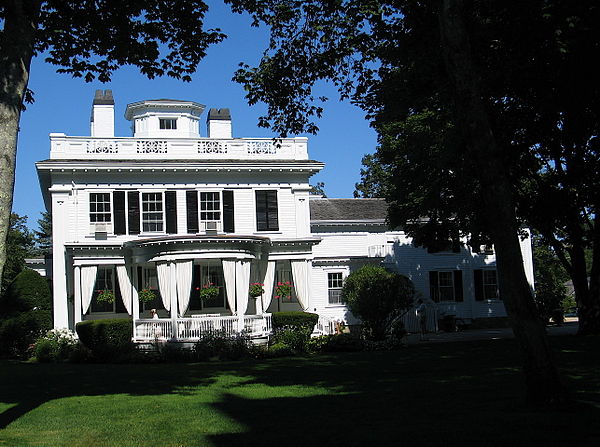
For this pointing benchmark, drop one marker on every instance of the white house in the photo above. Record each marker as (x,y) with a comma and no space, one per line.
(171,210)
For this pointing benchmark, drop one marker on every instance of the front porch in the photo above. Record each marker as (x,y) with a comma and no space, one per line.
(190,329)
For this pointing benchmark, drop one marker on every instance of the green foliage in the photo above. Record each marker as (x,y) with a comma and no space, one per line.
(57,345)
(318,189)
(19,332)
(293,329)
(220,345)
(374,295)
(109,340)
(43,235)
(28,291)
(19,246)
(550,277)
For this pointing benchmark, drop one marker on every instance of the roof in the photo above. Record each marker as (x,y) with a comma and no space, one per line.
(219,114)
(351,210)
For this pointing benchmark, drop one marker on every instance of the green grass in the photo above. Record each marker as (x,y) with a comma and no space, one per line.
(463,394)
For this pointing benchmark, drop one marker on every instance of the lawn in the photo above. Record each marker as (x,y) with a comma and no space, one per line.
(468,393)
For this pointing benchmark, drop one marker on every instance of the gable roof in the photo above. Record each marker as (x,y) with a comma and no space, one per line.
(347,210)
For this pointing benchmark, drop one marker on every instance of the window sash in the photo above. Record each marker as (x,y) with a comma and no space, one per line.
(167,123)
(210,206)
(100,209)
(490,285)
(335,282)
(152,212)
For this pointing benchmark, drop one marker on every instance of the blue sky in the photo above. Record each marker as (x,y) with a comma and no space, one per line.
(63,104)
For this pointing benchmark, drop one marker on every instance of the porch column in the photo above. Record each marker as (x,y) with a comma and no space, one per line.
(77,314)
(135,299)
(173,293)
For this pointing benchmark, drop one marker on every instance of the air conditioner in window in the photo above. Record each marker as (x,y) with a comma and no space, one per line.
(100,227)
(210,227)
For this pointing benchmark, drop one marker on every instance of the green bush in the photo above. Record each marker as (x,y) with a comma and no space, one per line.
(19,333)
(29,291)
(279,350)
(374,295)
(293,329)
(343,343)
(56,346)
(109,340)
(220,345)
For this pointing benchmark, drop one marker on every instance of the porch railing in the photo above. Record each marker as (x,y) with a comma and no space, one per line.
(191,329)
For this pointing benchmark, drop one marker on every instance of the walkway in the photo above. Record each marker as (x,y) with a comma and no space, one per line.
(568,328)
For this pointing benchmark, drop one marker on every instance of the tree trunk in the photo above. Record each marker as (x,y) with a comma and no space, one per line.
(543,382)
(16,51)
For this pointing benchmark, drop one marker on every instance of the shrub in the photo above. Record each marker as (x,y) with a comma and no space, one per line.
(21,331)
(29,291)
(109,340)
(343,343)
(293,329)
(373,294)
(56,346)
(219,345)
(279,350)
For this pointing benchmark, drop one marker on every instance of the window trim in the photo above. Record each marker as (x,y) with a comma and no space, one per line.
(330,289)
(96,213)
(162,201)
(168,123)
(456,275)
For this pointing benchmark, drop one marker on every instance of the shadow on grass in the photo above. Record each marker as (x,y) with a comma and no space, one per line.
(451,394)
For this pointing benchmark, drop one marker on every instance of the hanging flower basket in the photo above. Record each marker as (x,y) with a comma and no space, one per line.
(208,291)
(146,295)
(256,289)
(106,296)
(284,290)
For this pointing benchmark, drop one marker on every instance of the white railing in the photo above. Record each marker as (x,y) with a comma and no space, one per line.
(191,329)
(411,322)
(325,326)
(380,251)
(93,148)
(150,329)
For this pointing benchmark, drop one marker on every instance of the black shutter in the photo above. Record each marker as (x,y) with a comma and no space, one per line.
(478,283)
(133,201)
(119,212)
(171,211)
(272,213)
(433,286)
(228,212)
(191,203)
(261,210)
(458,285)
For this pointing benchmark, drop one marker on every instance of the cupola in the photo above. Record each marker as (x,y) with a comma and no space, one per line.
(165,118)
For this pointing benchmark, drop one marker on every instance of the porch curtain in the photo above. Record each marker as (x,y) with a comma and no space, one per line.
(183,272)
(268,269)
(125,286)
(164,283)
(88,280)
(242,271)
(229,274)
(300,276)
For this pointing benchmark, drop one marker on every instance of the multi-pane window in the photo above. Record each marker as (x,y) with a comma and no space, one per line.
(152,212)
(167,123)
(335,281)
(267,218)
(210,206)
(446,285)
(486,284)
(100,207)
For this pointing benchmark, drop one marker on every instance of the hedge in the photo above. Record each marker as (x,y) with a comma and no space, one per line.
(18,333)
(27,292)
(109,339)
(304,321)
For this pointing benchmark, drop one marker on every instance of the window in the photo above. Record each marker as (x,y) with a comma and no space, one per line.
(210,206)
(446,285)
(167,123)
(486,285)
(105,280)
(100,207)
(266,211)
(152,212)
(335,281)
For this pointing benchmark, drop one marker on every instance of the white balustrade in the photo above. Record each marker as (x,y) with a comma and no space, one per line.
(122,148)
(191,329)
